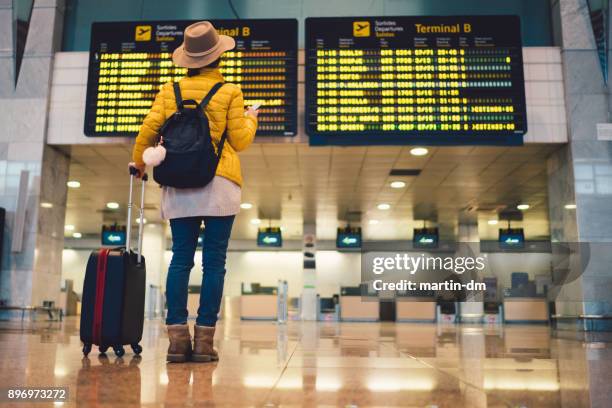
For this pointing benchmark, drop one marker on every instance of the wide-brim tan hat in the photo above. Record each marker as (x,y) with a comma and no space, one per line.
(201,46)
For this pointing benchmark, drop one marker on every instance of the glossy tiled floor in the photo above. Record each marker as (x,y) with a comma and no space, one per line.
(319,364)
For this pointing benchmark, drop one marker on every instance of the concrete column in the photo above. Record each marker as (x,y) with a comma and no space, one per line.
(468,232)
(472,310)
(31,274)
(309,290)
(581,173)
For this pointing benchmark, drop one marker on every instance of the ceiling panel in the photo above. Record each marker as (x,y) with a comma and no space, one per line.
(296,182)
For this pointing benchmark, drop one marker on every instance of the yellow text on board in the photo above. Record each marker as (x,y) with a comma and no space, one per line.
(235,32)
(443,28)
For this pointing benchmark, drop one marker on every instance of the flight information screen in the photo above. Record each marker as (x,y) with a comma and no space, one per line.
(415,80)
(129,61)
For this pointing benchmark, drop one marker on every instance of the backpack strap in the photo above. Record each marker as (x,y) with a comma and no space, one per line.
(210,94)
(202,105)
(221,144)
(180,102)
(177,95)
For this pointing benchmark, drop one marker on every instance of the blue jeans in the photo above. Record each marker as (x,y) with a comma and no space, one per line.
(185,233)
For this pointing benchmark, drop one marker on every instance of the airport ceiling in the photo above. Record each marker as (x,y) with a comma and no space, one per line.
(289,183)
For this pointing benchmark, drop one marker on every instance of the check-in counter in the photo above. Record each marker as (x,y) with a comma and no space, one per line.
(525,309)
(415,309)
(355,308)
(259,303)
(358,309)
(258,307)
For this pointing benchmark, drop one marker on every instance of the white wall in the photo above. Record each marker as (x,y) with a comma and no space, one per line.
(334,269)
(74,262)
(265,268)
(251,266)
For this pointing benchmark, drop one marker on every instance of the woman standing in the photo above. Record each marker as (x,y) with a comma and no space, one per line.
(216,204)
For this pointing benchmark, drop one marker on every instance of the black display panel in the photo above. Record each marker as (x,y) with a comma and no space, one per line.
(348,238)
(511,238)
(450,80)
(425,238)
(114,235)
(269,237)
(129,61)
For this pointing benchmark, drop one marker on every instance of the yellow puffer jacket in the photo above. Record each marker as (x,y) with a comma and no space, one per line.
(225,110)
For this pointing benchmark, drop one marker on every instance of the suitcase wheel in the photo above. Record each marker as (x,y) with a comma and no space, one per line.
(86,349)
(119,351)
(136,348)
(102,349)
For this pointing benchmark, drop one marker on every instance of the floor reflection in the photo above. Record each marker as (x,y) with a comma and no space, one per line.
(189,383)
(313,364)
(111,381)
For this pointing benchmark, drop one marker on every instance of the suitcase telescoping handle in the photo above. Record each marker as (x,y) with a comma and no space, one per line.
(128,241)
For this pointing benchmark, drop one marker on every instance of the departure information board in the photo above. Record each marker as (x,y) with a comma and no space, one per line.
(415,80)
(129,61)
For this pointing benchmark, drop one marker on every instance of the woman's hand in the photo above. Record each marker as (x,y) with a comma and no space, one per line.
(139,168)
(252,112)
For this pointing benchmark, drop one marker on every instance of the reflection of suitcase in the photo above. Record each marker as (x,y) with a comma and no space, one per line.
(112,311)
(97,384)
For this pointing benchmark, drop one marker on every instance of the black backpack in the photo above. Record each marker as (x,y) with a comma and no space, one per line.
(190,160)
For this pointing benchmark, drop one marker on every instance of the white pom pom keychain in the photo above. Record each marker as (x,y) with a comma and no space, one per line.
(153,156)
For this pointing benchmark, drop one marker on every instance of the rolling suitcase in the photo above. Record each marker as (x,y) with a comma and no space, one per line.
(112,309)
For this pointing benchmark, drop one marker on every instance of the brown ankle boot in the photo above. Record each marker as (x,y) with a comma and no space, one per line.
(203,350)
(179,350)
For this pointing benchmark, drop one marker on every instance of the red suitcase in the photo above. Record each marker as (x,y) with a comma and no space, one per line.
(112,308)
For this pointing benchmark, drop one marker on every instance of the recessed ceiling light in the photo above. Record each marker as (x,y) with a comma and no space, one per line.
(522,207)
(73,184)
(255,221)
(383,206)
(45,204)
(112,205)
(374,222)
(77,235)
(492,222)
(144,220)
(246,206)
(398,184)
(570,206)
(419,151)
(69,227)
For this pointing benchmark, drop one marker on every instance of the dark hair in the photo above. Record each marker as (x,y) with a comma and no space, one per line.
(196,71)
